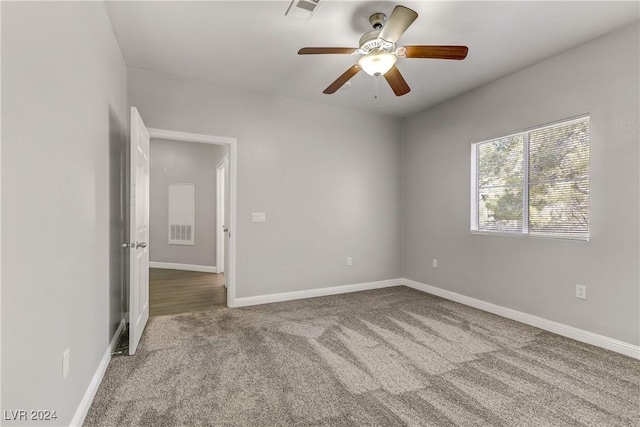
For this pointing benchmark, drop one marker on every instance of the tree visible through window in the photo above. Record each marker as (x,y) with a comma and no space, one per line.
(534,182)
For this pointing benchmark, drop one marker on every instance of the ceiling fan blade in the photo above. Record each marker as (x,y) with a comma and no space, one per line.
(345,77)
(399,20)
(325,50)
(437,52)
(397,82)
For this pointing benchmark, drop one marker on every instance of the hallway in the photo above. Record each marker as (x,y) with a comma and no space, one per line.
(179,291)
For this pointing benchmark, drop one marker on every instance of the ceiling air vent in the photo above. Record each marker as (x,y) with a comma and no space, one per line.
(302,9)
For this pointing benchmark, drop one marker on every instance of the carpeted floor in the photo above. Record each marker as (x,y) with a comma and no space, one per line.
(389,357)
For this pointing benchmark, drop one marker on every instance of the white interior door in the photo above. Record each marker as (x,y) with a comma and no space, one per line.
(221,178)
(139,229)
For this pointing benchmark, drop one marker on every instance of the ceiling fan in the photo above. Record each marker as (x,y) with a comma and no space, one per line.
(379,53)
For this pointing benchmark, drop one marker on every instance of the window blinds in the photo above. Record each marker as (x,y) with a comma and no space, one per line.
(559,180)
(534,182)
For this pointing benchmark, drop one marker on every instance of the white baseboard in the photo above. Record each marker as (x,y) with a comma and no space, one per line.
(187,267)
(318,292)
(87,399)
(529,319)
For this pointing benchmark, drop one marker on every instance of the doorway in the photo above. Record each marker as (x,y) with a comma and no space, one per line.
(202,290)
(174,291)
(221,217)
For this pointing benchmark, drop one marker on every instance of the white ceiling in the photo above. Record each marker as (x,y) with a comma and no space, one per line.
(253,45)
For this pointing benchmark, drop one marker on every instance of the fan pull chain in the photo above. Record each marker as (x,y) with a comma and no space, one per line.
(375,93)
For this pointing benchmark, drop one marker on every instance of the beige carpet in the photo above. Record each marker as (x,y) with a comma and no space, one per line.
(389,357)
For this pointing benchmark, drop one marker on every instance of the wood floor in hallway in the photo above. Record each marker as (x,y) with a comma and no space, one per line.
(179,291)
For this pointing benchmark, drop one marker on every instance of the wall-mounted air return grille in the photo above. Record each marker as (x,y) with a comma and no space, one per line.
(182,214)
(181,233)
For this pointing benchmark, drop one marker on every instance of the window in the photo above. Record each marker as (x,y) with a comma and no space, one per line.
(533,183)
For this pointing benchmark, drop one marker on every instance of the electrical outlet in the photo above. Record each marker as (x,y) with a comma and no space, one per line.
(65,363)
(435,263)
(349,260)
(581,291)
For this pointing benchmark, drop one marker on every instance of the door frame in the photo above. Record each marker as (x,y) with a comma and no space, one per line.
(230,276)
(221,209)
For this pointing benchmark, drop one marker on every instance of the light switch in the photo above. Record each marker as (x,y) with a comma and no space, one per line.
(258,217)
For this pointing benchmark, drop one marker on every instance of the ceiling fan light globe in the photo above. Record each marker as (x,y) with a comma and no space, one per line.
(377,63)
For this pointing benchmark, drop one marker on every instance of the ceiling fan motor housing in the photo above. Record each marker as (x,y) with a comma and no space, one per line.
(370,42)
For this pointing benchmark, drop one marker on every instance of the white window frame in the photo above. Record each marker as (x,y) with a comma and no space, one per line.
(474,211)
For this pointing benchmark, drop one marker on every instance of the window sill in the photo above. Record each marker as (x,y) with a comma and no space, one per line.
(529,236)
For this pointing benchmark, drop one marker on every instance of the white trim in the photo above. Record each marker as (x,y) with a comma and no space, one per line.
(230,276)
(224,160)
(602,341)
(186,267)
(474,187)
(318,292)
(0,213)
(189,137)
(87,399)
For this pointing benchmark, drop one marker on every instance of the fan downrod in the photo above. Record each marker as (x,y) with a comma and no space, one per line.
(377,20)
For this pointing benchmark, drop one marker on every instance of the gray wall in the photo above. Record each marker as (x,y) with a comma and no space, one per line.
(177,162)
(327,178)
(64,116)
(536,276)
